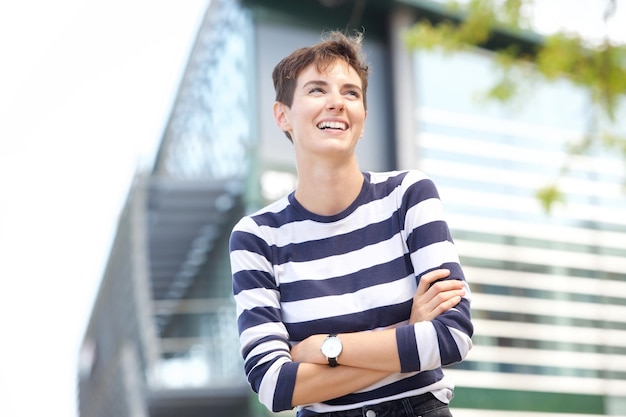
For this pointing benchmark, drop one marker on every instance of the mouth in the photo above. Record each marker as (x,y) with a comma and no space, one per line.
(332,125)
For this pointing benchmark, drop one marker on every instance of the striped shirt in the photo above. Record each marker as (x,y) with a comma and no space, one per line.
(296,274)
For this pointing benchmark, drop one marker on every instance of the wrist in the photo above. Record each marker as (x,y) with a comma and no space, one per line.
(331,348)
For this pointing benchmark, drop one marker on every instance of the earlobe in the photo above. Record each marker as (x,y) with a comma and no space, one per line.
(363,130)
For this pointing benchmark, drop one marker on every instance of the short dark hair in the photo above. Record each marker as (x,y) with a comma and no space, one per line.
(334,45)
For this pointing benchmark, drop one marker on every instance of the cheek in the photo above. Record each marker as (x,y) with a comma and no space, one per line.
(359,118)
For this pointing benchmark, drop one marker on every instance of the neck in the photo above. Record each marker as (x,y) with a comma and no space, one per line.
(329,190)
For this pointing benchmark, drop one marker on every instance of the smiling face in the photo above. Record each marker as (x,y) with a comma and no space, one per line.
(327,113)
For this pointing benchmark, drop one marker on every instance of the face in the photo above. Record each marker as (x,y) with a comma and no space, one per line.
(327,115)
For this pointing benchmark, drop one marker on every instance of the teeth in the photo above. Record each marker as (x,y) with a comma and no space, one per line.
(332,125)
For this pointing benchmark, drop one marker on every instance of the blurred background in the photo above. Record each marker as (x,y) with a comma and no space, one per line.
(134,134)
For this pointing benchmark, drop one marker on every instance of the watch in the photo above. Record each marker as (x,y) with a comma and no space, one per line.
(331,348)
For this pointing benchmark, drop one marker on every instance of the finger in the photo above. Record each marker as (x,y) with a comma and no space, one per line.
(429,306)
(431,295)
(446,285)
(429,278)
(444,301)
(436,294)
(446,305)
(444,296)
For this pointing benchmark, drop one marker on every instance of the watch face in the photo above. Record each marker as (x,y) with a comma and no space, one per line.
(331,347)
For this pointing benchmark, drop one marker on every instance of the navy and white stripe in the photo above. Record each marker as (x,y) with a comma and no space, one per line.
(296,274)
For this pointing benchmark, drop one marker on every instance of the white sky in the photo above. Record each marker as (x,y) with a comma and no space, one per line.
(85,91)
(582,16)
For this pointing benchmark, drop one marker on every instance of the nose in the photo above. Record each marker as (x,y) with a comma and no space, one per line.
(335,102)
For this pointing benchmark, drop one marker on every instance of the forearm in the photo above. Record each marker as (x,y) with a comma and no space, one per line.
(411,347)
(374,350)
(443,341)
(317,383)
(381,350)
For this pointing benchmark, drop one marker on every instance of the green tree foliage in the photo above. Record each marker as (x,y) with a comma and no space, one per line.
(599,68)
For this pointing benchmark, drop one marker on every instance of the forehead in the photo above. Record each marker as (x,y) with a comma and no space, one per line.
(337,70)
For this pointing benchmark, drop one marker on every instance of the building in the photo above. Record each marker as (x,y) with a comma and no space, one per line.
(549,290)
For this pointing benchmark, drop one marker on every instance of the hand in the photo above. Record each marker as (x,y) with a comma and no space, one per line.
(430,300)
(309,350)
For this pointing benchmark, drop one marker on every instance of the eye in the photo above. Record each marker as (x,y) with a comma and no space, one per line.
(314,90)
(353,93)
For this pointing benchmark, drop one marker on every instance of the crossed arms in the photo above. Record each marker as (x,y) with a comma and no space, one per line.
(368,357)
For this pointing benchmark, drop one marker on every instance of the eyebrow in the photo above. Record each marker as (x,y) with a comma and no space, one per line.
(324,83)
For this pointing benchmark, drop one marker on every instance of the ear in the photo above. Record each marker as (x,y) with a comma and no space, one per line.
(363,130)
(281,117)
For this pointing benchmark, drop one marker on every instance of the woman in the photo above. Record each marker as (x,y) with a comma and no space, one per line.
(349,292)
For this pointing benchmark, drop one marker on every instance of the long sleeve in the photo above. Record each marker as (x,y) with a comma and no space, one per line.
(297,274)
(263,337)
(446,339)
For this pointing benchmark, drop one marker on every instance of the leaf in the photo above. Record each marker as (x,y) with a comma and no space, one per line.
(548,196)
(598,68)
